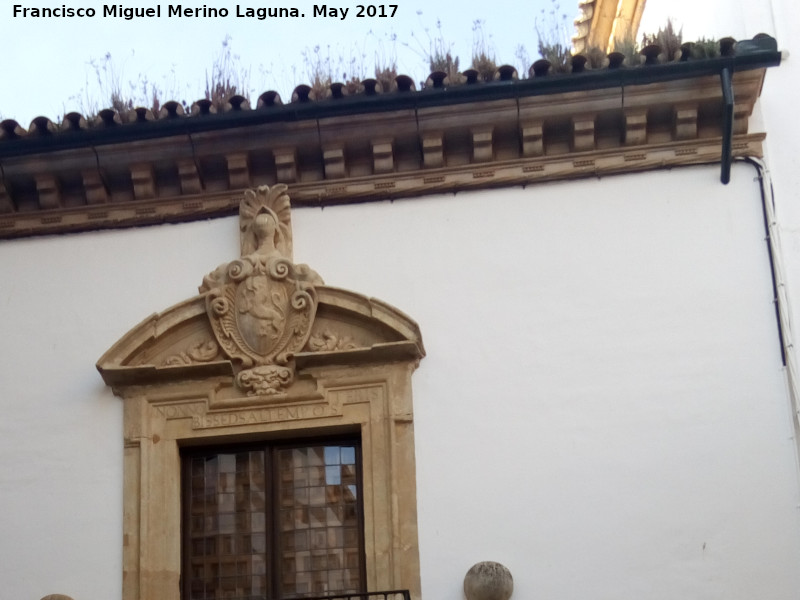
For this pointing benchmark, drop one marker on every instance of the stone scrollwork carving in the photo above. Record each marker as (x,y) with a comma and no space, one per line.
(329,341)
(204,351)
(262,306)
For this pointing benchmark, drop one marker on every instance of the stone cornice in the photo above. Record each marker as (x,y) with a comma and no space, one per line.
(356,157)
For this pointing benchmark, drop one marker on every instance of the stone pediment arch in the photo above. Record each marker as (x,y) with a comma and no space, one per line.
(179,343)
(261,316)
(265,352)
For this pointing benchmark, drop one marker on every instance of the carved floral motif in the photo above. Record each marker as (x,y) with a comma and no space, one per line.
(328,341)
(203,351)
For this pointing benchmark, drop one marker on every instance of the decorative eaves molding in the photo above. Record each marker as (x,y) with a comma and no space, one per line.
(366,156)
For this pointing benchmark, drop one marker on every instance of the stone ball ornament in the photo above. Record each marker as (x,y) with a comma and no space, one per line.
(488,580)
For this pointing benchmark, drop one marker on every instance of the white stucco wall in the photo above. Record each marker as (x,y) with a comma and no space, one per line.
(774,111)
(602,408)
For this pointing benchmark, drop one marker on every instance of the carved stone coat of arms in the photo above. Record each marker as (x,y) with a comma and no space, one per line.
(262,306)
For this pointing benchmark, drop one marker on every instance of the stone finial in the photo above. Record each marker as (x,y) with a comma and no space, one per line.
(264,209)
(488,580)
(56,597)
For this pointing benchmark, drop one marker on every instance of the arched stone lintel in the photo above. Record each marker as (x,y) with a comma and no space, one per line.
(179,344)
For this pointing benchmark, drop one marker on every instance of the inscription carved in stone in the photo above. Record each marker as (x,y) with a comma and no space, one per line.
(264,415)
(355,395)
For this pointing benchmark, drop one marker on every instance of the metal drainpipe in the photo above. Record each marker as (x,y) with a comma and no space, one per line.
(727,124)
(782,313)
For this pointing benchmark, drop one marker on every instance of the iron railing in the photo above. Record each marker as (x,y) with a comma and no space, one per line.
(387,595)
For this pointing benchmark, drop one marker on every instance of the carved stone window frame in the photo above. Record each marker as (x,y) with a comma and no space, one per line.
(180,387)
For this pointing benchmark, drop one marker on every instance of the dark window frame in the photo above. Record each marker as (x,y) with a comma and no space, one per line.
(272,505)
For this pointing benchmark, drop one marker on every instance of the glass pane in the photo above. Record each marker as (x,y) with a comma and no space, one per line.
(316,496)
(348,455)
(230,544)
(322,531)
(349,474)
(317,516)
(332,455)
(316,475)
(333,475)
(226,505)
(227,463)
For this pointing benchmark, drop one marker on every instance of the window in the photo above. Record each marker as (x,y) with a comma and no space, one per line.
(273,521)
(246,521)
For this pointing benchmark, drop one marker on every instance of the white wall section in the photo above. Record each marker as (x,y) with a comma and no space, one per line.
(602,408)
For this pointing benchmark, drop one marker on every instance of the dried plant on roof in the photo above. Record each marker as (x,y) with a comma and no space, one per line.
(483,60)
(595,57)
(228,78)
(320,71)
(437,53)
(386,63)
(141,92)
(667,38)
(385,76)
(523,59)
(446,64)
(627,46)
(705,48)
(554,34)
(108,77)
(111,83)
(326,67)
